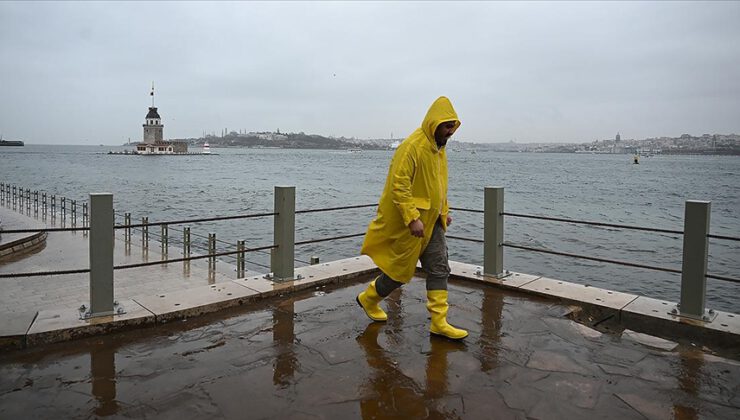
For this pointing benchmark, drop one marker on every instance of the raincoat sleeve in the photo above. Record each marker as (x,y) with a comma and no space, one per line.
(403,175)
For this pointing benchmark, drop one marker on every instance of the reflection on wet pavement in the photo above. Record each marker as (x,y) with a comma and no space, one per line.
(315,355)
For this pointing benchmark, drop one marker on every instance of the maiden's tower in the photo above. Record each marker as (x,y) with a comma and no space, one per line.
(153,143)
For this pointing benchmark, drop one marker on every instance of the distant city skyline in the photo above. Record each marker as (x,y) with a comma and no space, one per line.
(530,72)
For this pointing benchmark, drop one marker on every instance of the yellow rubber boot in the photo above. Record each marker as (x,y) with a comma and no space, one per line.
(437,306)
(369,300)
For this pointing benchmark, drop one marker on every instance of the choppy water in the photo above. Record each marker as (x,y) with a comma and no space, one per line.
(606,188)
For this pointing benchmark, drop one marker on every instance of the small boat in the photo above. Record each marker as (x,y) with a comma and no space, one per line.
(206,148)
(10,142)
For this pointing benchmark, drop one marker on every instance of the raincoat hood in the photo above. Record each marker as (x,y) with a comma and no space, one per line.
(440,112)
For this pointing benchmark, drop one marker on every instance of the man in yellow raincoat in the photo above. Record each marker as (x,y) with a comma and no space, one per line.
(412,218)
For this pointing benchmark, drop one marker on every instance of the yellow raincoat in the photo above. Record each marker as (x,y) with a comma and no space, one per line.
(416,188)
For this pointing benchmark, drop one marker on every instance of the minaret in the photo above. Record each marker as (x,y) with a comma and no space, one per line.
(153,127)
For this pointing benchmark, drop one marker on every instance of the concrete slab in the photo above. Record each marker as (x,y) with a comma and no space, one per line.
(579,293)
(63,324)
(470,272)
(654,316)
(348,267)
(312,276)
(13,329)
(261,285)
(649,340)
(196,301)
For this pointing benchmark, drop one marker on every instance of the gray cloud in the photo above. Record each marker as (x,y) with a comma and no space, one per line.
(80,72)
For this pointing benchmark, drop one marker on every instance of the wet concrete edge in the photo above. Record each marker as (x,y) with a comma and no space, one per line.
(632,311)
(22,245)
(639,313)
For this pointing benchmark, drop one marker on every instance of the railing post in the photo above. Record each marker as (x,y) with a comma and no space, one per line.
(36,203)
(165,241)
(74,213)
(127,229)
(101,254)
(211,251)
(493,231)
(694,267)
(43,204)
(240,265)
(145,233)
(281,259)
(84,214)
(186,242)
(28,201)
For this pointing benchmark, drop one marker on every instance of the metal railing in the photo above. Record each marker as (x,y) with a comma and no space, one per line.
(695,247)
(102,228)
(282,251)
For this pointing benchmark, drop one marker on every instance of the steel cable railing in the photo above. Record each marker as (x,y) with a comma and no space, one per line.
(335,208)
(585,257)
(198,257)
(467,210)
(597,259)
(600,224)
(726,238)
(725,278)
(135,265)
(69,229)
(333,238)
(460,238)
(305,242)
(207,219)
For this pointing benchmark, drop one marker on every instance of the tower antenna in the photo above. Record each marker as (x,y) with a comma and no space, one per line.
(152,94)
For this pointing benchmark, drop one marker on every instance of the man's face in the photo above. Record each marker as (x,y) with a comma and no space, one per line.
(443,132)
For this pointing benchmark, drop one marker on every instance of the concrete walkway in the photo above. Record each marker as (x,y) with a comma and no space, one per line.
(315,355)
(23,298)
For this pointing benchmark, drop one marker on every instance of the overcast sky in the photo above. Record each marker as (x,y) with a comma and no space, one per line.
(80,73)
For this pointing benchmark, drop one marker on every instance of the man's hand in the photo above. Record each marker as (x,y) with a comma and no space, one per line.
(449,220)
(417,228)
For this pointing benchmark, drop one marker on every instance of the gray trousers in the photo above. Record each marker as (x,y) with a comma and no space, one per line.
(434,261)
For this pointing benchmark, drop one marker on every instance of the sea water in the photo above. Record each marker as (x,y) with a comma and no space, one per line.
(602,188)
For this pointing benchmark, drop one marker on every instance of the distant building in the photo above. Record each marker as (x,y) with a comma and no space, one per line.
(618,137)
(154,143)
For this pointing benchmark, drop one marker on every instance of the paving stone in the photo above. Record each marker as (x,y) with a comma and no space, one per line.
(649,340)
(649,408)
(554,362)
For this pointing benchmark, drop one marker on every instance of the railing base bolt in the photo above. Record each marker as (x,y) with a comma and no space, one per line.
(85,314)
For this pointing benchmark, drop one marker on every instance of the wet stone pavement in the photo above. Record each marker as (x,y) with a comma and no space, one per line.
(316,355)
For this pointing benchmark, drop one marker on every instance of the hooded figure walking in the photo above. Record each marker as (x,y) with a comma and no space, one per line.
(412,218)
